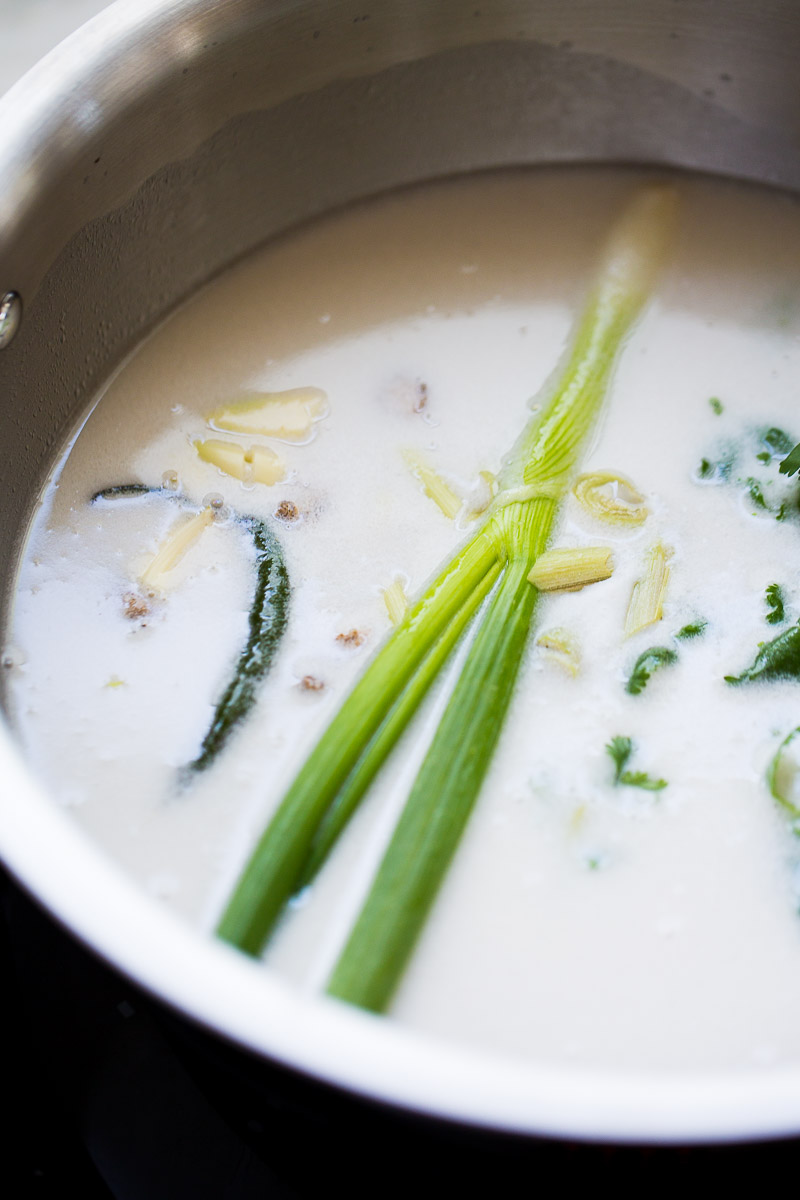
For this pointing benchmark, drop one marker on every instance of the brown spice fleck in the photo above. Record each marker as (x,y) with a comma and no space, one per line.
(352,638)
(310,683)
(287,510)
(136,607)
(421,400)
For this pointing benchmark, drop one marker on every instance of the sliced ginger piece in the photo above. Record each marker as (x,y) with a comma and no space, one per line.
(258,464)
(179,541)
(288,415)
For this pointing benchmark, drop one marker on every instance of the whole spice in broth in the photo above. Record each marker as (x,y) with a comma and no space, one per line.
(311,683)
(493,567)
(135,607)
(353,637)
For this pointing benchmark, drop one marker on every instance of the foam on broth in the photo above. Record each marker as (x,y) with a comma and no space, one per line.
(580,922)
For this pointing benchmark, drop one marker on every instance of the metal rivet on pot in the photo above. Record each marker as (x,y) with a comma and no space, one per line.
(10,317)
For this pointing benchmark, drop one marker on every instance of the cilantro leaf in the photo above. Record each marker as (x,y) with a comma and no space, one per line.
(620,749)
(778,659)
(692,630)
(641,779)
(776,604)
(791,464)
(648,662)
(776,441)
(718,470)
(716,404)
(756,494)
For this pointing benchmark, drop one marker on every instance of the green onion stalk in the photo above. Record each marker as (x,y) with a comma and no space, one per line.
(489,574)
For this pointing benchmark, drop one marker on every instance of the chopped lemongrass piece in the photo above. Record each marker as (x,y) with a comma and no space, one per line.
(178,543)
(396,601)
(434,486)
(569,570)
(783,778)
(561,648)
(259,464)
(610,497)
(646,606)
(289,416)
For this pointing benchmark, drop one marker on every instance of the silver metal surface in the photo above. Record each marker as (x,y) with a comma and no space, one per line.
(10,317)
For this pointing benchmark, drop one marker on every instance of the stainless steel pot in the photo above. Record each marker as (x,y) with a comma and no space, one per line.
(165,140)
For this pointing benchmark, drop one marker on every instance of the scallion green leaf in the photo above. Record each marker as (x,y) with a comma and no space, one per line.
(501,554)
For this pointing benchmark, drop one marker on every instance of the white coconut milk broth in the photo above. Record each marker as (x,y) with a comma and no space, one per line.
(580,921)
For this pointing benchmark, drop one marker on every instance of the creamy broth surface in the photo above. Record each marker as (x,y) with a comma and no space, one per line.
(580,922)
